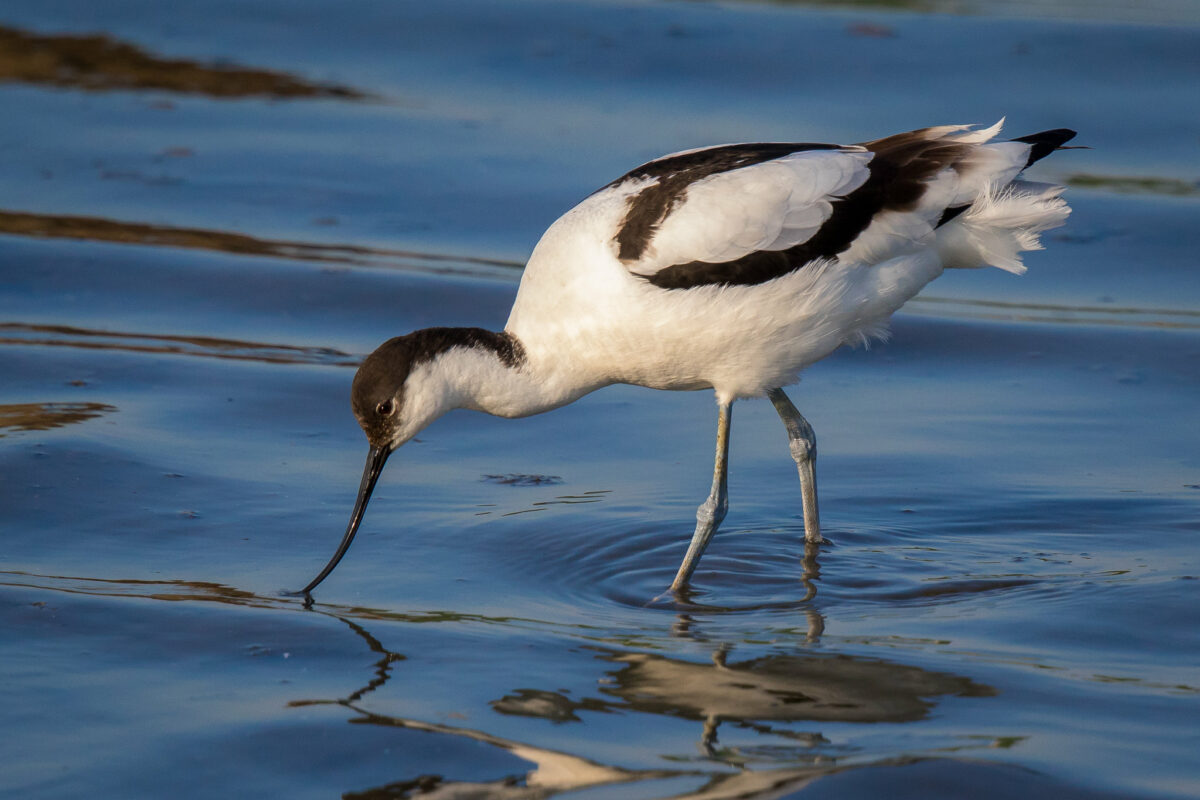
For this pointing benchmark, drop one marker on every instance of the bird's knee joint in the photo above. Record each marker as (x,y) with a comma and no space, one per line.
(712,512)
(803,449)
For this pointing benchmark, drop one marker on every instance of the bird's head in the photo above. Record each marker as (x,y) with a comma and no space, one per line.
(391,396)
(395,395)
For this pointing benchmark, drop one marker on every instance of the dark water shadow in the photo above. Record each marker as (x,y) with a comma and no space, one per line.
(98,63)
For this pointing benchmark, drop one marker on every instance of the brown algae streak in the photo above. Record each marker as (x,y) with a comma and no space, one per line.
(96,62)
(22,417)
(99,229)
(16,333)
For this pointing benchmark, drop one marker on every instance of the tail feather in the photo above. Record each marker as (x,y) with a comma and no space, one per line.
(1003,216)
(1001,224)
(1045,143)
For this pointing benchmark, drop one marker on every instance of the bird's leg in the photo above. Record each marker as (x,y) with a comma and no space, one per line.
(803,444)
(711,511)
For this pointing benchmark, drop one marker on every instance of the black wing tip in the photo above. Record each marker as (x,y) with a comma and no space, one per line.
(1045,142)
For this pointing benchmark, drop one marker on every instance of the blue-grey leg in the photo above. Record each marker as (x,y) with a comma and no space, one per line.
(711,511)
(803,444)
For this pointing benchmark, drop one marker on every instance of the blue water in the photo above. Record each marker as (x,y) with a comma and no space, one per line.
(1010,606)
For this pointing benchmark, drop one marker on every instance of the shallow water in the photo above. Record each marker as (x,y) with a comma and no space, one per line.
(192,258)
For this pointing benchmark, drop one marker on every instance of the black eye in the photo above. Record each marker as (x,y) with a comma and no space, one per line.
(386,408)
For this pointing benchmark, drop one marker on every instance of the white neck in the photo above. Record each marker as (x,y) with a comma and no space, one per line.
(476,378)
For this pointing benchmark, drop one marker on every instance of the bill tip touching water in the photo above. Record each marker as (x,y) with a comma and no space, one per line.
(730,268)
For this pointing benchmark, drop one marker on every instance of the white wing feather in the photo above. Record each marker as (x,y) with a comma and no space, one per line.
(769,206)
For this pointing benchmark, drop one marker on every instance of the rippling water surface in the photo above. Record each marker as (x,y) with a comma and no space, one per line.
(209,213)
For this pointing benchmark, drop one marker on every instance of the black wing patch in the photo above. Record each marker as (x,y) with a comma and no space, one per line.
(899,169)
(649,207)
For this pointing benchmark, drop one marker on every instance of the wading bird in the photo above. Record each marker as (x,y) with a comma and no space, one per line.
(729,268)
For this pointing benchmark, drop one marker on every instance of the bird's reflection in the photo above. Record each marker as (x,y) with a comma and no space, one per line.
(768,695)
(552,771)
(810,570)
(764,695)
(554,706)
(780,700)
(383,667)
(689,602)
(781,688)
(754,693)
